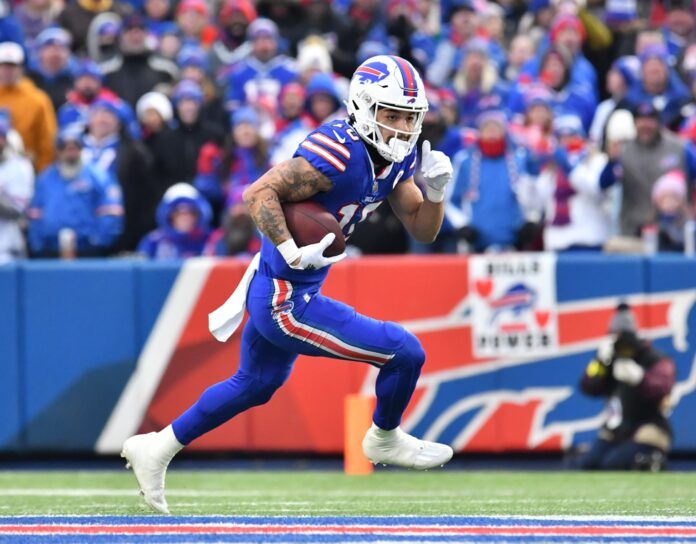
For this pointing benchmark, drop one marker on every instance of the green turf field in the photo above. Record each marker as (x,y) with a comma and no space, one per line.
(446,492)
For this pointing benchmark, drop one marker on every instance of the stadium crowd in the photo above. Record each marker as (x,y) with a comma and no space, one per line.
(134,126)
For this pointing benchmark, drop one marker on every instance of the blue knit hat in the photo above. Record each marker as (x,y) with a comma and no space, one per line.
(107,105)
(73,132)
(192,56)
(536,6)
(628,67)
(568,125)
(620,11)
(89,68)
(187,89)
(245,115)
(654,51)
(53,36)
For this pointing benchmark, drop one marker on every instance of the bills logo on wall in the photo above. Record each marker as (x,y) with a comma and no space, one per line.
(513,304)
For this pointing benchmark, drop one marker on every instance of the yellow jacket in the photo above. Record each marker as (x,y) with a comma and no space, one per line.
(34,118)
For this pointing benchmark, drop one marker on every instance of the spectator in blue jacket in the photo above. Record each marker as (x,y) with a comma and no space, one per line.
(260,76)
(660,85)
(567,97)
(76,198)
(484,202)
(52,66)
(183,219)
(477,84)
(322,100)
(568,33)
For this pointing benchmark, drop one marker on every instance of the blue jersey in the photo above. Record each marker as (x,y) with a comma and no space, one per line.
(336,150)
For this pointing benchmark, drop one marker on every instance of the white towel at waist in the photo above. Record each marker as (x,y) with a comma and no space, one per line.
(224,321)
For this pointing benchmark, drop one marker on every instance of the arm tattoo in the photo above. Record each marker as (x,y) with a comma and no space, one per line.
(291,181)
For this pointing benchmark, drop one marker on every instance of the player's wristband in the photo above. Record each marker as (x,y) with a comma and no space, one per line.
(434,195)
(289,250)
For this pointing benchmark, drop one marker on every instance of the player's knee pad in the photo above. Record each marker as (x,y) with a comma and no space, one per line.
(410,354)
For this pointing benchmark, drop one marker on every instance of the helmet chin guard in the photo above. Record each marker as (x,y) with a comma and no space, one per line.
(387,82)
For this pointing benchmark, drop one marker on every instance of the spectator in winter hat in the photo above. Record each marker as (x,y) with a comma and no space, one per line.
(103,37)
(192,17)
(463,21)
(533,129)
(155,114)
(193,63)
(110,149)
(170,43)
(33,16)
(87,87)
(231,46)
(653,152)
(520,52)
(659,84)
(73,196)
(157,17)
(191,131)
(323,102)
(183,221)
(477,83)
(259,78)
(484,204)
(536,22)
(52,66)
(313,57)
(567,34)
(292,125)
(224,174)
(568,186)
(136,70)
(30,108)
(669,197)
(154,111)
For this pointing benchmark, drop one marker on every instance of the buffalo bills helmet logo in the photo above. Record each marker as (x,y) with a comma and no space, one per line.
(372,72)
(516,299)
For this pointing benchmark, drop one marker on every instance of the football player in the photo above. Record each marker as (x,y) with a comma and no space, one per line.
(349,166)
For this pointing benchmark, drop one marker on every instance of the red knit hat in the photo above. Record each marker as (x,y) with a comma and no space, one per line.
(243,6)
(565,21)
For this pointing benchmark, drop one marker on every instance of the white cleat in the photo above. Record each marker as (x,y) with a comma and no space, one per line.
(400,449)
(149,456)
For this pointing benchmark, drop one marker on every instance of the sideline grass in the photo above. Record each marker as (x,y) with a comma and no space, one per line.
(332,493)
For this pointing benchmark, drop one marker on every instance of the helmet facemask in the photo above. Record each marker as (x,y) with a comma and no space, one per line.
(401,143)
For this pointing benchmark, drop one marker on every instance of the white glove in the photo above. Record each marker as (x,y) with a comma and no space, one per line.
(437,172)
(605,350)
(628,371)
(309,257)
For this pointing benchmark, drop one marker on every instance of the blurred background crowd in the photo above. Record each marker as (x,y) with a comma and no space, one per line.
(134,126)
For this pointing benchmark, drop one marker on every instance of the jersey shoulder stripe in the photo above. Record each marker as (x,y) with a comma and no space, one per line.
(333,144)
(324,154)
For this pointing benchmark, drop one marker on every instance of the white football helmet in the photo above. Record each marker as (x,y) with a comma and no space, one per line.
(386,81)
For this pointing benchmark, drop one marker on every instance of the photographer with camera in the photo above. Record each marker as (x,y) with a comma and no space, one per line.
(637,380)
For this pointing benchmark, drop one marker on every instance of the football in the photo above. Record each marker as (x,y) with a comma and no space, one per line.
(309,222)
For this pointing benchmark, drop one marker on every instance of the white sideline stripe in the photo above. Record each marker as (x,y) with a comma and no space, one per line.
(117,492)
(309,517)
(155,356)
